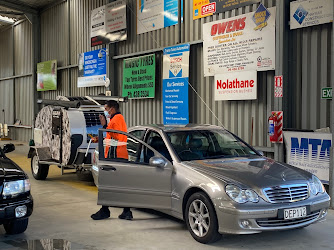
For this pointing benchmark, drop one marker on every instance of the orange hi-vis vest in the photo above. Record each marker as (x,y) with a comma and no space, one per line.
(117,122)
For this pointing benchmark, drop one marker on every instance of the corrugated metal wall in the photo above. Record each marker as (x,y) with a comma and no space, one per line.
(237,116)
(6,70)
(16,95)
(65,33)
(24,97)
(309,70)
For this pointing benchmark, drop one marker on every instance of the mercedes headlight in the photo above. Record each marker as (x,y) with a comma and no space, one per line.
(316,186)
(241,195)
(13,188)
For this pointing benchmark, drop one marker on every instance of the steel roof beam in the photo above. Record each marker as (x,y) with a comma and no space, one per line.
(18,6)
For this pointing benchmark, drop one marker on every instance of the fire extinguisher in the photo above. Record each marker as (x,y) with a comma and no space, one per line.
(272,120)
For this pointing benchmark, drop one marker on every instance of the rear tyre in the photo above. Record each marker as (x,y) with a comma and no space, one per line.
(39,171)
(201,219)
(16,226)
(84,175)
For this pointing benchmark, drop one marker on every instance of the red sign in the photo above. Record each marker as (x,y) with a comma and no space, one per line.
(208,9)
(278,86)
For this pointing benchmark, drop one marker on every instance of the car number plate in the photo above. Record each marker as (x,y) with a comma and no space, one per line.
(295,213)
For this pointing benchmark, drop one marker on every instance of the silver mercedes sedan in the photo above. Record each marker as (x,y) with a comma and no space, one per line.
(206,176)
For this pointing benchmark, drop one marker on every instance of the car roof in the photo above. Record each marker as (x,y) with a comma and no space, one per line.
(173,128)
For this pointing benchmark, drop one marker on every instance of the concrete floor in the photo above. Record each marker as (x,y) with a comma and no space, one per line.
(63,206)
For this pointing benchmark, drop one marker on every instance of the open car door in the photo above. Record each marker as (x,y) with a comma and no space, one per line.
(131,173)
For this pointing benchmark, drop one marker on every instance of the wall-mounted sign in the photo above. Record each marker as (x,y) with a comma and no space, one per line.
(245,42)
(278,86)
(47,75)
(327,93)
(203,8)
(309,151)
(236,86)
(108,23)
(175,85)
(92,68)
(306,13)
(156,14)
(139,77)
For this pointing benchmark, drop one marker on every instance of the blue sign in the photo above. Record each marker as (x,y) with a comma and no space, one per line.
(175,85)
(309,151)
(92,68)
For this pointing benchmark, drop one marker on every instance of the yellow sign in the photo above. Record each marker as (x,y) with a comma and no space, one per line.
(197,9)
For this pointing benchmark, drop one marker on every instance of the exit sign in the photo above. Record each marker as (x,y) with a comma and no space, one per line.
(326,93)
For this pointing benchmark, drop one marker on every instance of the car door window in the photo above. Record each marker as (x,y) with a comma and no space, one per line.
(138,133)
(115,146)
(155,140)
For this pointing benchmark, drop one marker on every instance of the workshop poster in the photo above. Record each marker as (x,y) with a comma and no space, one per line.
(241,43)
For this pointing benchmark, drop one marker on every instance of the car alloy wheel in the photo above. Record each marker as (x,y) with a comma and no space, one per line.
(199,218)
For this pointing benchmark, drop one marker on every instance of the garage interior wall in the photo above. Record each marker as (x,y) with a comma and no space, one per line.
(65,33)
(17,93)
(237,116)
(310,66)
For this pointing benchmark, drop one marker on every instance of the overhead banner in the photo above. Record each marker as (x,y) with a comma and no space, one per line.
(203,8)
(92,69)
(108,23)
(241,43)
(310,12)
(175,85)
(236,86)
(139,77)
(47,75)
(156,14)
(309,151)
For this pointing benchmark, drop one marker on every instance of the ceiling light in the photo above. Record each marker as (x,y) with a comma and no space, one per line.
(7,19)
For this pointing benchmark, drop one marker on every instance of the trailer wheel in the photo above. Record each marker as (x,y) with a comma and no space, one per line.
(84,175)
(39,171)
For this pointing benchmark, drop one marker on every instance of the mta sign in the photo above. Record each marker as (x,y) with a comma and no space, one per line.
(309,151)
(320,149)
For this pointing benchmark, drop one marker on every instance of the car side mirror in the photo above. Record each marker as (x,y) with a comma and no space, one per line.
(157,161)
(7,148)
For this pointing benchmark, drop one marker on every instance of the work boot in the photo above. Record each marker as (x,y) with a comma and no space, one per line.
(126,215)
(103,213)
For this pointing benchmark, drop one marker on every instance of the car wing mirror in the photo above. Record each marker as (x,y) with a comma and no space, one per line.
(157,161)
(7,148)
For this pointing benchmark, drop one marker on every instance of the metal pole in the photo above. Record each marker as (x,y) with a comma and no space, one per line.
(280,62)
(331,166)
(179,19)
(69,48)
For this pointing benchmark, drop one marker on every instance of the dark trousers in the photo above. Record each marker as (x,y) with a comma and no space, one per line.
(125,210)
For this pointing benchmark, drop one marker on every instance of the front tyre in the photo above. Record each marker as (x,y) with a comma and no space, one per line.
(16,226)
(39,171)
(201,218)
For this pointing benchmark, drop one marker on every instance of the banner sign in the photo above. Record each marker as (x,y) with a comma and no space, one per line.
(108,23)
(278,86)
(175,85)
(236,86)
(156,14)
(47,75)
(306,13)
(139,77)
(309,151)
(241,43)
(92,69)
(203,8)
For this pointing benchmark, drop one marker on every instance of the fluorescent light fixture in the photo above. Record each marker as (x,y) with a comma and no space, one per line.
(7,19)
